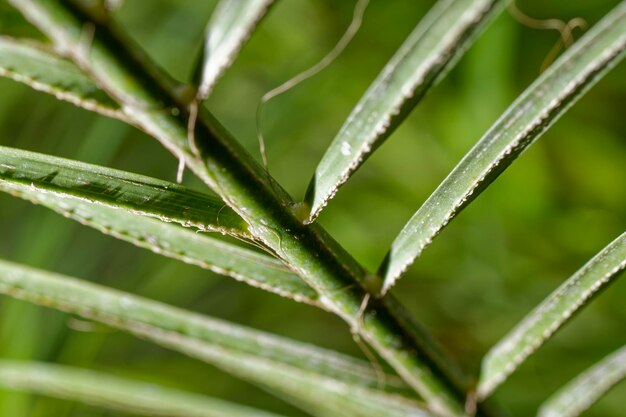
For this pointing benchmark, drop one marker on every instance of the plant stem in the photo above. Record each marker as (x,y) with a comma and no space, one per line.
(148,99)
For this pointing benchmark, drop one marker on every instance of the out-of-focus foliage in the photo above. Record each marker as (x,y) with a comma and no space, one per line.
(557,206)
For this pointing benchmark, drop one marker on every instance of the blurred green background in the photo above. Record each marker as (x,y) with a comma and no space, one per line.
(559,204)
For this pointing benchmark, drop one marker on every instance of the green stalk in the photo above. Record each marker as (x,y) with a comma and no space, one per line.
(217,159)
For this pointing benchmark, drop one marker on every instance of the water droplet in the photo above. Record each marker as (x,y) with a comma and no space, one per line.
(346,149)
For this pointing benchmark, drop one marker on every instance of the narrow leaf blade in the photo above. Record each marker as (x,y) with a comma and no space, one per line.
(145,196)
(320,380)
(433,47)
(587,388)
(556,310)
(553,93)
(37,66)
(115,393)
(146,212)
(231,24)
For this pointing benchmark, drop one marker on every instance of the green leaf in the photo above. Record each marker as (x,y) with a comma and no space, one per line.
(538,326)
(36,65)
(37,174)
(115,393)
(554,92)
(583,391)
(231,24)
(433,47)
(146,212)
(321,381)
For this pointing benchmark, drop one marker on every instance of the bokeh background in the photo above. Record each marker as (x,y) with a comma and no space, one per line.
(559,204)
